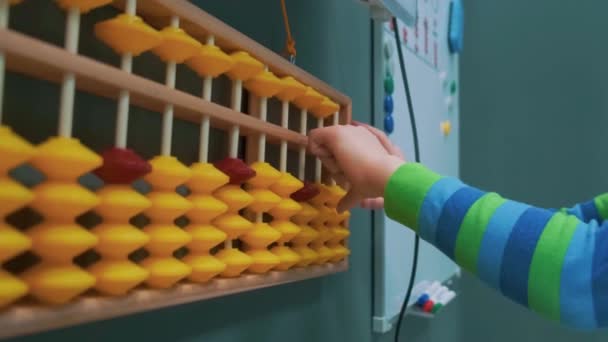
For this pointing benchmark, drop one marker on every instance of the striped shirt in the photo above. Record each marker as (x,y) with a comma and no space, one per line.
(554,262)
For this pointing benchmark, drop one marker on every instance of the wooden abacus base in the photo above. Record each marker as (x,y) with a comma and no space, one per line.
(29,317)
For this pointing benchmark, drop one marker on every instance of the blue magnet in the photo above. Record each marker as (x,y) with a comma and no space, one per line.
(388,105)
(456,27)
(389,124)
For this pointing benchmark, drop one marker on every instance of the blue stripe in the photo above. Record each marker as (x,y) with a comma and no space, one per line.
(494,240)
(576,292)
(590,211)
(453,213)
(600,275)
(433,204)
(519,251)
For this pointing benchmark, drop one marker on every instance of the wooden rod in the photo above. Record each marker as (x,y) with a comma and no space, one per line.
(36,59)
(4,15)
(68,88)
(284,124)
(302,152)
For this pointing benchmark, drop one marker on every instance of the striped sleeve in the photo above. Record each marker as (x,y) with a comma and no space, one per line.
(595,209)
(553,262)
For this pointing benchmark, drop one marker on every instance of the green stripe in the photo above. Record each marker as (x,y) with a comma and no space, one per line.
(406,191)
(546,268)
(472,229)
(601,203)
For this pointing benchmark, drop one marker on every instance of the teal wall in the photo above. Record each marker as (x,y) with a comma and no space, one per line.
(534,114)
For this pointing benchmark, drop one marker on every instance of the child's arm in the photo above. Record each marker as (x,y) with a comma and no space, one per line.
(595,209)
(551,262)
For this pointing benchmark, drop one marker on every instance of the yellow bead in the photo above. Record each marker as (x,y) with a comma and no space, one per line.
(307,235)
(244,66)
(335,194)
(63,201)
(14,150)
(176,45)
(323,216)
(307,255)
(204,267)
(12,242)
(118,240)
(265,175)
(339,253)
(83,5)
(337,235)
(210,61)
(165,272)
(286,185)
(204,237)
(60,242)
(205,208)
(127,34)
(304,216)
(325,108)
(120,202)
(285,209)
(323,197)
(13,196)
(167,173)
(260,235)
(287,229)
(167,206)
(206,178)
(117,277)
(288,258)
(262,261)
(233,225)
(11,289)
(263,200)
(264,84)
(291,89)
(446,127)
(234,197)
(61,158)
(236,262)
(309,99)
(323,254)
(165,239)
(57,283)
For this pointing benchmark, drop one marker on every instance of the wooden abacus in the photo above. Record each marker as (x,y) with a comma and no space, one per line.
(288,231)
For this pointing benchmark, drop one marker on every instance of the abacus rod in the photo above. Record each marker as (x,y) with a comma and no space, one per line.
(204,134)
(167,132)
(122,117)
(4,15)
(302,154)
(233,145)
(318,169)
(262,136)
(284,124)
(68,88)
(131,7)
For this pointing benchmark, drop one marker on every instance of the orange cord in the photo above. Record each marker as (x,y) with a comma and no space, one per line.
(290,44)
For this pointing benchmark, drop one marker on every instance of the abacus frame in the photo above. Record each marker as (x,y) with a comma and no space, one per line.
(40,60)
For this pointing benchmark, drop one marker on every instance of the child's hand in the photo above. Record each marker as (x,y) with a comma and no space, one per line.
(360,155)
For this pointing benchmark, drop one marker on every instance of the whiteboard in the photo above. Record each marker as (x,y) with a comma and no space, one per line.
(432,73)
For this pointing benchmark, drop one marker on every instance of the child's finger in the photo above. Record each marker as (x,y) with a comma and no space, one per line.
(384,140)
(330,164)
(350,200)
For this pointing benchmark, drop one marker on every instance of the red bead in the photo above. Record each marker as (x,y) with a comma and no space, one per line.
(428,306)
(307,192)
(236,169)
(122,166)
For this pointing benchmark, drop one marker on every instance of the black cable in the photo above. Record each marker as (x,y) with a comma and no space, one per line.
(410,107)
